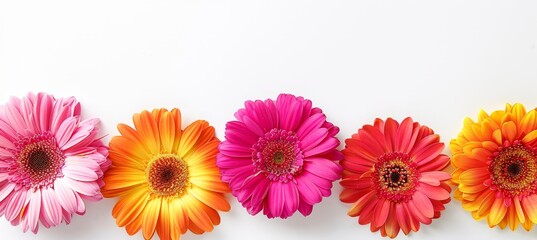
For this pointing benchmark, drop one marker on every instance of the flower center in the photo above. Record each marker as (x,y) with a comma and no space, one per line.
(395,177)
(278,155)
(168,176)
(514,170)
(38,161)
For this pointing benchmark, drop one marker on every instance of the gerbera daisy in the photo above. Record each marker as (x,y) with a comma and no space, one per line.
(392,175)
(165,177)
(495,162)
(50,161)
(280,156)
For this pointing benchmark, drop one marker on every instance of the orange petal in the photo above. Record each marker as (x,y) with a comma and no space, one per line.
(528,123)
(135,225)
(509,131)
(530,137)
(167,132)
(180,221)
(519,211)
(150,217)
(529,204)
(148,130)
(197,216)
(129,207)
(164,223)
(189,138)
(204,153)
(474,175)
(176,115)
(211,199)
(519,112)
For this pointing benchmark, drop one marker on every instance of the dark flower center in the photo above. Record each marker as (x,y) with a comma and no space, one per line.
(39,161)
(395,177)
(168,176)
(514,170)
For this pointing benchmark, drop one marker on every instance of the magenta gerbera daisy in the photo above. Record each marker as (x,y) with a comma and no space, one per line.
(50,161)
(280,156)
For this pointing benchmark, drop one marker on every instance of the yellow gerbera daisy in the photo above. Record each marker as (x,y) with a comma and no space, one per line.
(495,162)
(165,177)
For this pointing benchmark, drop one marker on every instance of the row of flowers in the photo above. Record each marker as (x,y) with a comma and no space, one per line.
(278,157)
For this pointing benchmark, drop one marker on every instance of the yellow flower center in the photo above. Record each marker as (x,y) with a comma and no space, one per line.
(168,176)
(514,170)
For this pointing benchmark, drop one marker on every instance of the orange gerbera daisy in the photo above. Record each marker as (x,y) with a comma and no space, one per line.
(495,162)
(165,177)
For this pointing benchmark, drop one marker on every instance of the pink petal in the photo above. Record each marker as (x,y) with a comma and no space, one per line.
(65,131)
(314,138)
(290,111)
(320,182)
(262,114)
(59,115)
(275,200)
(238,133)
(52,211)
(224,161)
(253,126)
(82,136)
(312,123)
(248,186)
(43,111)
(323,168)
(16,200)
(260,192)
(232,150)
(80,173)
(308,192)
(66,196)
(290,193)
(34,209)
(86,188)
(14,116)
(328,144)
(6,190)
(304,208)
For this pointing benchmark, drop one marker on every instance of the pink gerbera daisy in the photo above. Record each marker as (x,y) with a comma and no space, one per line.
(50,161)
(280,156)
(392,175)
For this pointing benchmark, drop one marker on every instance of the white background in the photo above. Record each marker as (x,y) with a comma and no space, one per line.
(437,61)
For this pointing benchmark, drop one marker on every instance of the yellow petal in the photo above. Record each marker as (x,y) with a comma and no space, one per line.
(497,212)
(509,131)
